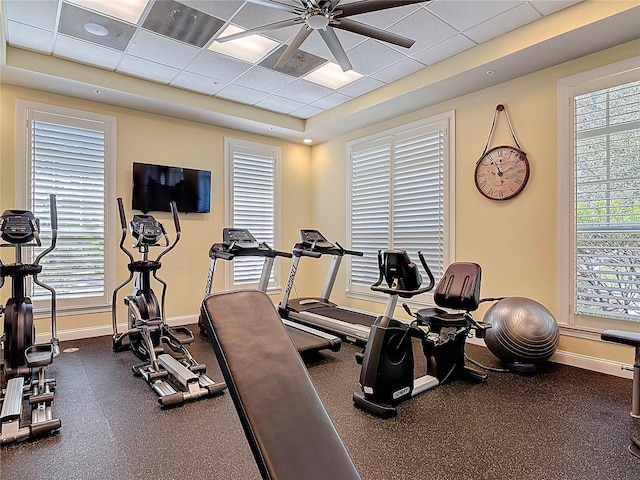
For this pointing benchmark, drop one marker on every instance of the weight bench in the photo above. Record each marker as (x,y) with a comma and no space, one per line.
(288,429)
(632,339)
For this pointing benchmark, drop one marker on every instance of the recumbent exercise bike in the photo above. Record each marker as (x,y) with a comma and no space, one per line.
(167,365)
(387,374)
(22,374)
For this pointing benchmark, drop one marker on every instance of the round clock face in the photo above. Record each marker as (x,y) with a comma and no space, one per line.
(502,173)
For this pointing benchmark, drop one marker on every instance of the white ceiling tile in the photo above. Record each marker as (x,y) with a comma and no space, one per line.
(304,91)
(220,67)
(464,14)
(85,52)
(279,104)
(385,18)
(140,67)
(222,9)
(360,87)
(37,13)
(264,79)
(241,94)
(423,27)
(371,56)
(197,83)
(30,38)
(160,49)
(331,100)
(398,70)
(503,23)
(547,7)
(306,112)
(443,50)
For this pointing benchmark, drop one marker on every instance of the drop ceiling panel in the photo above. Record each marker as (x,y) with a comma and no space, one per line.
(264,79)
(140,67)
(279,104)
(86,52)
(217,66)
(464,14)
(37,13)
(160,49)
(241,94)
(30,38)
(197,83)
(398,70)
(440,51)
(509,20)
(371,56)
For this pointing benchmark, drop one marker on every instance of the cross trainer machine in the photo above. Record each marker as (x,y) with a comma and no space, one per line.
(167,365)
(387,374)
(320,312)
(240,242)
(22,374)
(632,339)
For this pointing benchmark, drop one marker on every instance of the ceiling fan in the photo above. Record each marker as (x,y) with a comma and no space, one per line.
(324,16)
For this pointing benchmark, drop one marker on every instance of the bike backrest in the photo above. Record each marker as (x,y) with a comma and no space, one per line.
(397,266)
(459,288)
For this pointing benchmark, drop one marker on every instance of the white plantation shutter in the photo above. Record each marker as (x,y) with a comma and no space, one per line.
(252,169)
(71,157)
(607,202)
(398,199)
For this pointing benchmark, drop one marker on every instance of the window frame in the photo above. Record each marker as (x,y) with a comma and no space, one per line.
(232,145)
(446,122)
(568,88)
(28,111)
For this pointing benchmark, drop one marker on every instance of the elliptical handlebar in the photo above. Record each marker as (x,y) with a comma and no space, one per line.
(53,211)
(123,224)
(176,223)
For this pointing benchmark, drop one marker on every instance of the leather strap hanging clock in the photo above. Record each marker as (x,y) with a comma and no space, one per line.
(502,172)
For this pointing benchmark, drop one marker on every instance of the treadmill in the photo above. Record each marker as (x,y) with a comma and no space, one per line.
(239,242)
(320,312)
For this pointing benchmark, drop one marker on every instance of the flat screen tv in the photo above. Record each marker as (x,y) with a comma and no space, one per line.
(155,186)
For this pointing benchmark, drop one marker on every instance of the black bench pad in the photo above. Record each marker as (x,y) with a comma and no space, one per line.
(285,422)
(621,336)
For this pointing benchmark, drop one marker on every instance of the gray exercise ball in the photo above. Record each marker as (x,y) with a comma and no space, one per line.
(522,330)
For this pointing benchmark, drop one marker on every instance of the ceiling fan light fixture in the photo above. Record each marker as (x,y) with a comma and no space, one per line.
(317,20)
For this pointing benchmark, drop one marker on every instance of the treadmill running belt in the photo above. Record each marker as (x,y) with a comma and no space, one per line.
(306,342)
(347,316)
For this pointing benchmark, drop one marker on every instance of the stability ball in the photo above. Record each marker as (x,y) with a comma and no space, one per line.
(522,331)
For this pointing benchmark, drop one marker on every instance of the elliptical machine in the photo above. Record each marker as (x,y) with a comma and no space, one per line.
(22,374)
(167,365)
(387,374)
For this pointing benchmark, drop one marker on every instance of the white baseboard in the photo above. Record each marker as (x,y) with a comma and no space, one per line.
(103,330)
(565,358)
(586,362)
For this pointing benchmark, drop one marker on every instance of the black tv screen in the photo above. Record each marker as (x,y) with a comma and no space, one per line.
(155,186)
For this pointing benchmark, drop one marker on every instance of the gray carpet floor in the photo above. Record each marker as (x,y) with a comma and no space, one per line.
(561,423)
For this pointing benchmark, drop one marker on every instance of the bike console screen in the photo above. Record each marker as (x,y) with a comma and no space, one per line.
(18,226)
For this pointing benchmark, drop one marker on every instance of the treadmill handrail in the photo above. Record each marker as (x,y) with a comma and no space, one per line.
(303,252)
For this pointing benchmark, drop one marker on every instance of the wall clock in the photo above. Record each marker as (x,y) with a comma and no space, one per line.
(501,172)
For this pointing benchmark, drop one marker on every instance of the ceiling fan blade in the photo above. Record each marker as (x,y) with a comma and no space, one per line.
(355,8)
(277,5)
(293,47)
(331,39)
(262,29)
(373,32)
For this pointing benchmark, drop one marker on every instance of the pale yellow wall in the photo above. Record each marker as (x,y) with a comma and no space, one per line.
(145,137)
(514,241)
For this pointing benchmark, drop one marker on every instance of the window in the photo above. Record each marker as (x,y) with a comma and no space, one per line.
(252,203)
(401,196)
(71,154)
(600,198)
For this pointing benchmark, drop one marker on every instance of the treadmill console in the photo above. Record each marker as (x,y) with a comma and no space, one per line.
(18,226)
(146,229)
(314,239)
(240,237)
